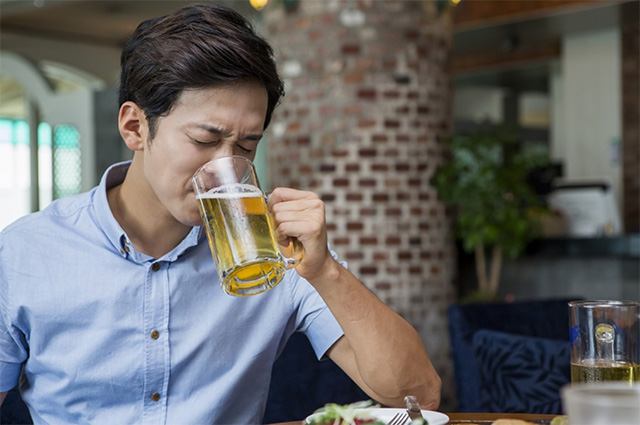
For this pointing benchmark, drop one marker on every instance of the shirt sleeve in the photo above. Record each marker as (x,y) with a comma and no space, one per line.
(315,319)
(13,351)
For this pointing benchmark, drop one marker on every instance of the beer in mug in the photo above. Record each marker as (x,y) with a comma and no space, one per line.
(239,227)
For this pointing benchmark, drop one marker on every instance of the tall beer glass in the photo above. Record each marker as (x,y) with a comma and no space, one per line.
(239,227)
(605,341)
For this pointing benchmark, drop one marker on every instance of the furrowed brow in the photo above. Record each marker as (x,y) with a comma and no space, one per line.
(210,128)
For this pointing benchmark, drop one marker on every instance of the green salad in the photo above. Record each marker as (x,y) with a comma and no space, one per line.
(349,414)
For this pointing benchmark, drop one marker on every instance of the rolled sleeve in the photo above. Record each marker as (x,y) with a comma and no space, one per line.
(12,349)
(9,374)
(323,332)
(315,319)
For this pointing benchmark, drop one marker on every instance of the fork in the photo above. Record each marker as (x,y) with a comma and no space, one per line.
(399,419)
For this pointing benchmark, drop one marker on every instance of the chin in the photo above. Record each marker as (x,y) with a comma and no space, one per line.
(192,222)
(189,218)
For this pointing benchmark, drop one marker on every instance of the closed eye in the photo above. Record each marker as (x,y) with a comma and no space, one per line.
(197,142)
(243,149)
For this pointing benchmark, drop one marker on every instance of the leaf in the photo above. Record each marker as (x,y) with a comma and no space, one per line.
(484,180)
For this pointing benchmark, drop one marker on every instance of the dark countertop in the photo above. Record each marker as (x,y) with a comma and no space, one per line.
(627,246)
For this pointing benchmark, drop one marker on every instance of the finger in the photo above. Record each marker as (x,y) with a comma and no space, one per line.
(285,194)
(295,215)
(313,206)
(302,230)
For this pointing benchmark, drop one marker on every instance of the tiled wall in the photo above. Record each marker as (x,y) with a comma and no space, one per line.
(368,103)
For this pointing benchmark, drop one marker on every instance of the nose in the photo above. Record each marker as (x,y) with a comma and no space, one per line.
(222,152)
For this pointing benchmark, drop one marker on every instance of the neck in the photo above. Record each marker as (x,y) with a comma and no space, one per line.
(151,229)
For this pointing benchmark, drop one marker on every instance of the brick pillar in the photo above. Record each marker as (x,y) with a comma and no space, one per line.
(368,103)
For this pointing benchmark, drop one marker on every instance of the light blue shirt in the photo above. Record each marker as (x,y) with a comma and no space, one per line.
(106,334)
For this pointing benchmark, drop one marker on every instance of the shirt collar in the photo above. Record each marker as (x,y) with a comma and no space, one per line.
(114,176)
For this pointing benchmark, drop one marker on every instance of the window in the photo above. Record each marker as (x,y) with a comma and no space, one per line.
(67,171)
(59,170)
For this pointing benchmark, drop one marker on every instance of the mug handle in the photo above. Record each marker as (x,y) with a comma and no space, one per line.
(293,253)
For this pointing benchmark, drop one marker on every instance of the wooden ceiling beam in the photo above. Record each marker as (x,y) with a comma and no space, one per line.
(497,58)
(472,13)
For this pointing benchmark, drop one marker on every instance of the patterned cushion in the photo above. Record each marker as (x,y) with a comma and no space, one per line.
(520,373)
(548,318)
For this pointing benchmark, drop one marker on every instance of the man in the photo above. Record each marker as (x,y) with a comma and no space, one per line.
(111,310)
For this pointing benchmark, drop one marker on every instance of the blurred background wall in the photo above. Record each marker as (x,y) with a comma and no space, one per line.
(373,87)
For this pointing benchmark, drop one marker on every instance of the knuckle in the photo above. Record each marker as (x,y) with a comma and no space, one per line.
(275,210)
(316,228)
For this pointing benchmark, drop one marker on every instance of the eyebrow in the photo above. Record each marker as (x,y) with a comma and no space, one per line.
(218,131)
(210,128)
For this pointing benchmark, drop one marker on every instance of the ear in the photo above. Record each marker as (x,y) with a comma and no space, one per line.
(132,123)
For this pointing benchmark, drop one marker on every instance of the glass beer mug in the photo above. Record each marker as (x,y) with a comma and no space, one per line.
(240,228)
(605,341)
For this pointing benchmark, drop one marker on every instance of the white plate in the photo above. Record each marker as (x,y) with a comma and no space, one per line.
(385,415)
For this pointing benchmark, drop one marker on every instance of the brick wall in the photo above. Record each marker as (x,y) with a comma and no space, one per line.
(631,119)
(367,105)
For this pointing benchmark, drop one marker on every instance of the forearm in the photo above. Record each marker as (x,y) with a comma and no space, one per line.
(389,358)
(380,350)
(2,396)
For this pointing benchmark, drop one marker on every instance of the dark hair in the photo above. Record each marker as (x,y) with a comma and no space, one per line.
(197,46)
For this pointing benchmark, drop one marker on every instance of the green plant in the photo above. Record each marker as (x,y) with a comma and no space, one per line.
(484,181)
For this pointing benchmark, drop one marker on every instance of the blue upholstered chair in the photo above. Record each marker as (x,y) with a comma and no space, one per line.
(300,383)
(13,411)
(510,357)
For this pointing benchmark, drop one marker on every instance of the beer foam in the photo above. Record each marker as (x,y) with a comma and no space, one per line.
(232,191)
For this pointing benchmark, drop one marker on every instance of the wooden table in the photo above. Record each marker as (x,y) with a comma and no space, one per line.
(480,418)
(487,418)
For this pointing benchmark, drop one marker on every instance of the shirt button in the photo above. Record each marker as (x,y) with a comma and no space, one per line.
(126,248)
(155,267)
(155,396)
(155,334)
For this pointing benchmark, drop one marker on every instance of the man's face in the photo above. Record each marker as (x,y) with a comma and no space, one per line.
(204,124)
